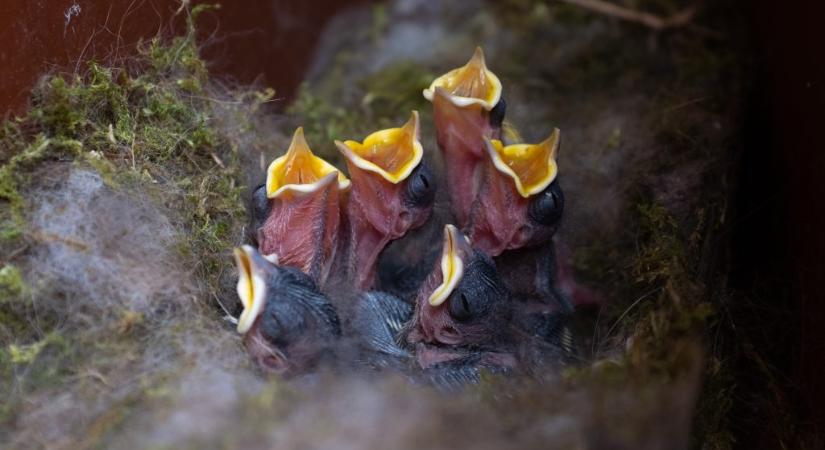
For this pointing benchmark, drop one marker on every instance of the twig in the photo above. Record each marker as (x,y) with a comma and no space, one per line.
(670,109)
(228,317)
(48,238)
(628,309)
(14,254)
(217,160)
(184,4)
(653,21)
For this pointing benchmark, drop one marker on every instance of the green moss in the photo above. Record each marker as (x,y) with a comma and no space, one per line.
(150,127)
(11,174)
(323,121)
(43,361)
(573,15)
(391,93)
(662,303)
(379,21)
(662,258)
(27,353)
(387,98)
(11,283)
(663,321)
(155,127)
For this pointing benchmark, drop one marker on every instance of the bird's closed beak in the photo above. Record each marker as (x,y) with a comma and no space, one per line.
(251,285)
(472,84)
(532,167)
(300,172)
(455,246)
(392,153)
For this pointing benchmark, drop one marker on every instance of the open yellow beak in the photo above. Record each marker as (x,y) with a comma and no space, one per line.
(392,153)
(531,166)
(300,171)
(251,288)
(452,267)
(472,84)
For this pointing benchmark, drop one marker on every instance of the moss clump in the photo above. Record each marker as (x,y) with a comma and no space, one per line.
(12,173)
(153,126)
(26,354)
(663,256)
(667,312)
(11,283)
(394,91)
(324,121)
(145,124)
(385,99)
(663,328)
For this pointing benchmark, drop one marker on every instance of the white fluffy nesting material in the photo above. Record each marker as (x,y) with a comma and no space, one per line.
(113,250)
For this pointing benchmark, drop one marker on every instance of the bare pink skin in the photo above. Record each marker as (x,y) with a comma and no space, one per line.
(434,325)
(303,231)
(376,215)
(439,338)
(460,134)
(273,360)
(485,201)
(498,216)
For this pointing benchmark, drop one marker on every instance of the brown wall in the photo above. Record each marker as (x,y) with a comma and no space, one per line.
(245,40)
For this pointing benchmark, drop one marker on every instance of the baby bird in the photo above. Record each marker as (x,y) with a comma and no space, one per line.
(504,196)
(297,213)
(392,192)
(288,326)
(466,320)
(518,204)
(467,108)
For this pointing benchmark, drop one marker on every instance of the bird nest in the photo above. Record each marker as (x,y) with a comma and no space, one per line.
(123,191)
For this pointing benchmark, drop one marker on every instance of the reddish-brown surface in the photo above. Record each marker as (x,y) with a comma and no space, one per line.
(270,41)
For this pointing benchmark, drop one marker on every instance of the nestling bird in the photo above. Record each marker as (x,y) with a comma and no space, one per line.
(517,204)
(504,197)
(288,326)
(392,192)
(297,212)
(467,108)
(463,310)
(467,315)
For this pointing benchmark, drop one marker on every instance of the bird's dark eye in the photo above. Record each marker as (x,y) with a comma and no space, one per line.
(285,319)
(272,330)
(546,209)
(259,206)
(460,308)
(497,113)
(478,292)
(421,187)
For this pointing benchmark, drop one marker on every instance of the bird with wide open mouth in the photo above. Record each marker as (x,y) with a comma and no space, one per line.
(392,192)
(288,325)
(299,210)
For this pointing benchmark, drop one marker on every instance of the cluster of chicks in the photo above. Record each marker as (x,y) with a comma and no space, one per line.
(313,290)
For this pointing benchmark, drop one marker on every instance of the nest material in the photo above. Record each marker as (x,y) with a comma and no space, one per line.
(121,195)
